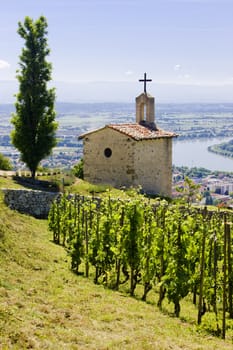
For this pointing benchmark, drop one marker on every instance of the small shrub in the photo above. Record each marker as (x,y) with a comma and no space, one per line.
(78,169)
(210,324)
(5,163)
(98,188)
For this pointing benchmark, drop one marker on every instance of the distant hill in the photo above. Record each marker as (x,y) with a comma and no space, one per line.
(126,91)
(91,107)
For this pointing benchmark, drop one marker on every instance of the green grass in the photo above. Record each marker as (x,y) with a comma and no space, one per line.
(85,188)
(43,305)
(7,182)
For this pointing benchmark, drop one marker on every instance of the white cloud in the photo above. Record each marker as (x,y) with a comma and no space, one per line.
(177,67)
(187,76)
(129,72)
(4,64)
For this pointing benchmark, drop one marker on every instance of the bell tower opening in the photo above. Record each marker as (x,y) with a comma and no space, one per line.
(145,109)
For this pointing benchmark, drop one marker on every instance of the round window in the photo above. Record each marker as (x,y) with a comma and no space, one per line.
(107,152)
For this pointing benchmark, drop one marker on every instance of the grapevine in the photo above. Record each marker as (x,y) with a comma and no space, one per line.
(172,248)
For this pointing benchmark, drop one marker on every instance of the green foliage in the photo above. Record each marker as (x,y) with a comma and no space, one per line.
(173,247)
(193,172)
(209,200)
(88,189)
(78,169)
(177,277)
(34,119)
(132,240)
(5,163)
(198,172)
(225,148)
(42,302)
(189,190)
(210,324)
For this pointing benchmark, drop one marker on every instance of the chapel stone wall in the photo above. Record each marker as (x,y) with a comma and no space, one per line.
(153,166)
(109,158)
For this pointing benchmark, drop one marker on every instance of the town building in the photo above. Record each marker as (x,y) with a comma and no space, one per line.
(221,186)
(131,154)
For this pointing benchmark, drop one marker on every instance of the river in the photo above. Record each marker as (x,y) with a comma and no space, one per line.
(194,153)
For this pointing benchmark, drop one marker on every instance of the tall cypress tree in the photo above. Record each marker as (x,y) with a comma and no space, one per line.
(34,134)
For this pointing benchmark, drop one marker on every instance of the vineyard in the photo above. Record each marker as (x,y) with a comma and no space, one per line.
(177,250)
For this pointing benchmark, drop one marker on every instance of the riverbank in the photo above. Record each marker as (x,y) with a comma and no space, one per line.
(224,149)
(195,153)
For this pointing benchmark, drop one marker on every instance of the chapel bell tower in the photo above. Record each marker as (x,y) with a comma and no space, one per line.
(145,107)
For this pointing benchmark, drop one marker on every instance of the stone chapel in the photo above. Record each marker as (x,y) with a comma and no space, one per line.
(131,154)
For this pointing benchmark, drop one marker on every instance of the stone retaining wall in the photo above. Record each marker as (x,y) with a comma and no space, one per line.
(34,203)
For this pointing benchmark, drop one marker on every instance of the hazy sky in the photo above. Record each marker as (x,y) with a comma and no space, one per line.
(186,44)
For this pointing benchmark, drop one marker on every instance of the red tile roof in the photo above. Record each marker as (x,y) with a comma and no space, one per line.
(136,131)
(139,132)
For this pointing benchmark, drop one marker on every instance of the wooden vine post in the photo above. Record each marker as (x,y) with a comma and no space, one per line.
(215,274)
(162,289)
(86,245)
(226,230)
(202,268)
(230,279)
(119,259)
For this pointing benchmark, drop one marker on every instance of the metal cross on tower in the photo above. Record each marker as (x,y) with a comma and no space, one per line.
(145,81)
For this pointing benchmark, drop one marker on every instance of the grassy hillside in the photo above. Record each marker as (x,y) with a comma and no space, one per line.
(43,305)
